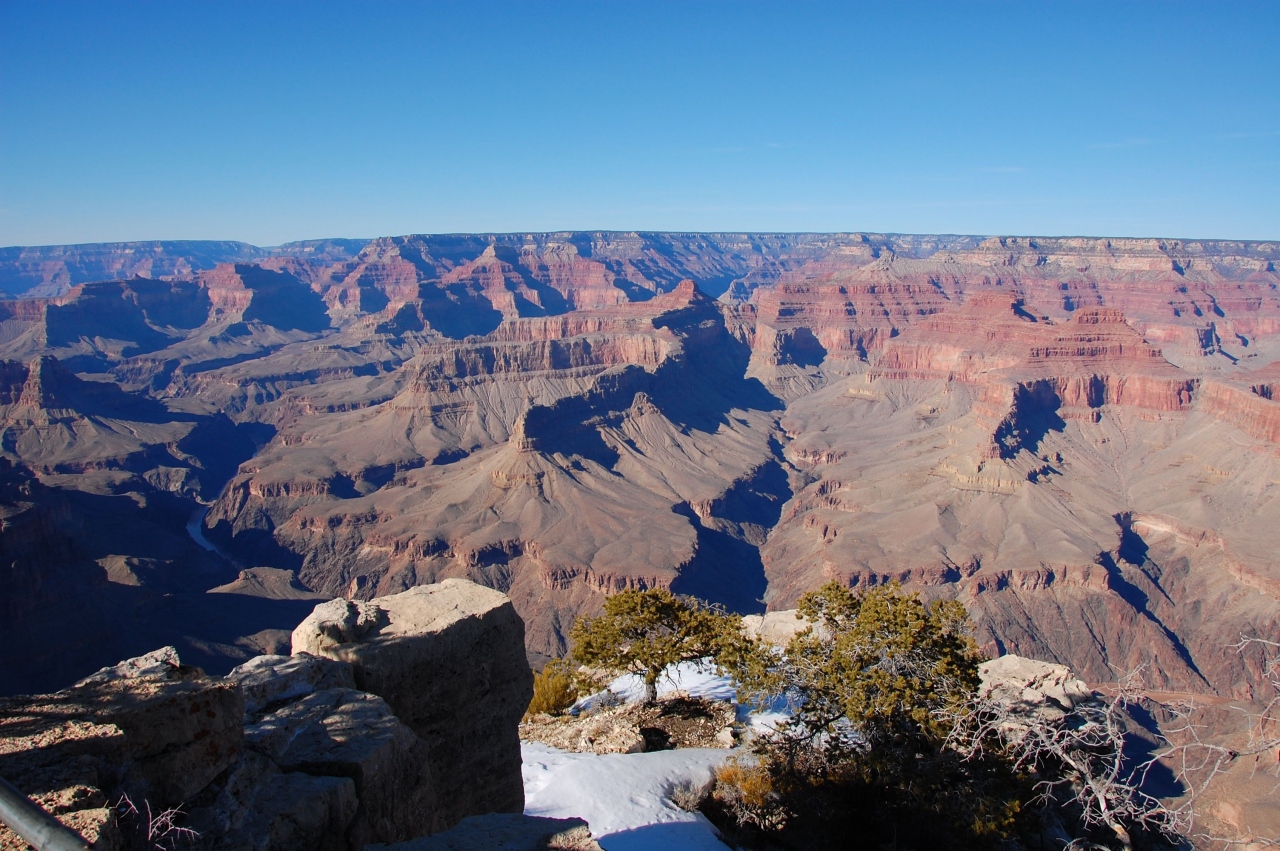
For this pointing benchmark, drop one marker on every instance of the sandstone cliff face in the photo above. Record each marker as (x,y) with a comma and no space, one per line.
(855,300)
(1250,409)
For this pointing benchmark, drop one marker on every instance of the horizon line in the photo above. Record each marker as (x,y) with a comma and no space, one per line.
(637,232)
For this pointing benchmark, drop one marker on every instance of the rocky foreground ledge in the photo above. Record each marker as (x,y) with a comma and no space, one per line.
(392,720)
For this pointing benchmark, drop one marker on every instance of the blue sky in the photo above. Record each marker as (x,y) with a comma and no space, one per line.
(275,121)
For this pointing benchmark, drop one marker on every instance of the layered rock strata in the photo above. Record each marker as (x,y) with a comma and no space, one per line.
(1074,436)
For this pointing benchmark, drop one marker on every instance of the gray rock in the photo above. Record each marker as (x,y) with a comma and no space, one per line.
(450,661)
(147,727)
(504,832)
(337,622)
(269,680)
(298,812)
(609,736)
(181,728)
(232,804)
(315,763)
(776,628)
(162,662)
(259,808)
(1031,687)
(348,733)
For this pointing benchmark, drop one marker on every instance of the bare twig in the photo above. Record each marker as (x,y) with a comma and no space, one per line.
(1078,756)
(163,833)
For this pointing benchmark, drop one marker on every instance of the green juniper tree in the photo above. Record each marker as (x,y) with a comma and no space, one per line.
(874,684)
(644,632)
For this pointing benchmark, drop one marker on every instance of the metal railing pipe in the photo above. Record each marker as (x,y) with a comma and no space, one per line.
(30,821)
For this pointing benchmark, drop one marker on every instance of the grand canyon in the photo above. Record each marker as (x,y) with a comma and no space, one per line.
(1078,438)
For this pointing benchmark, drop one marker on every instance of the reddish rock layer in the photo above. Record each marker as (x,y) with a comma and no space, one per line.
(556,416)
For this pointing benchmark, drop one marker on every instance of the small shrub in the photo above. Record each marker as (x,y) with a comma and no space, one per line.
(874,696)
(746,793)
(690,796)
(554,690)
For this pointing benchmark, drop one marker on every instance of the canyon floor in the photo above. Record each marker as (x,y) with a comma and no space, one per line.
(1078,438)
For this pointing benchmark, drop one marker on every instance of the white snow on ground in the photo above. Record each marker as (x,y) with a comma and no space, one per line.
(697,679)
(623,797)
(626,797)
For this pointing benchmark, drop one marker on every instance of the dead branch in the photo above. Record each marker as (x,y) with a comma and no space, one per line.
(1077,756)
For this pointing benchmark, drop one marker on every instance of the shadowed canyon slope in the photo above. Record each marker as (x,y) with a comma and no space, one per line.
(1079,438)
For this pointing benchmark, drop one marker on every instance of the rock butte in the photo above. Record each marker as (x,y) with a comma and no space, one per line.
(1076,437)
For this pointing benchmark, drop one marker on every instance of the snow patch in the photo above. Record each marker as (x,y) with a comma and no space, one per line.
(625,798)
(696,679)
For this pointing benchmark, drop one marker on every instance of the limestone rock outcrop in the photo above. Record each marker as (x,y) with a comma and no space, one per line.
(775,628)
(1032,688)
(288,752)
(148,728)
(449,661)
(345,733)
(270,680)
(256,805)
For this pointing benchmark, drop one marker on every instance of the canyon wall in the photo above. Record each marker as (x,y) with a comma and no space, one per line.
(1076,437)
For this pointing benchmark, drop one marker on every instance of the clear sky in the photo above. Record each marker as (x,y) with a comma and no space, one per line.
(271,121)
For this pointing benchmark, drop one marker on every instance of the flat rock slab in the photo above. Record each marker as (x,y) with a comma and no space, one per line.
(158,730)
(181,728)
(449,659)
(504,832)
(774,628)
(270,680)
(169,727)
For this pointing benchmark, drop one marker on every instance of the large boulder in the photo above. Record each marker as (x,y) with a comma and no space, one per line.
(181,728)
(449,659)
(257,807)
(394,719)
(299,811)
